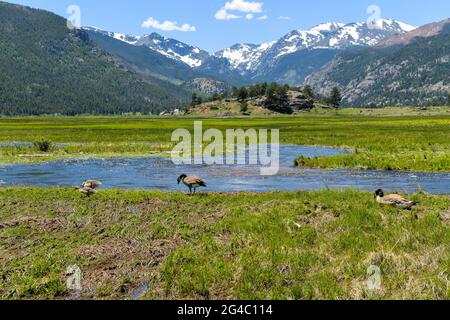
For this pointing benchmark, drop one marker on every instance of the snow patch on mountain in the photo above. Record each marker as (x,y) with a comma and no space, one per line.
(190,55)
(244,56)
(118,36)
(174,49)
(327,26)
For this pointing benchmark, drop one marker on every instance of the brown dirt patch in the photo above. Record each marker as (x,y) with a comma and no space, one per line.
(109,263)
(44,224)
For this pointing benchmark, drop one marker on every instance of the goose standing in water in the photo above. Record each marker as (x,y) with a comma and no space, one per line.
(393,200)
(192,183)
(89,187)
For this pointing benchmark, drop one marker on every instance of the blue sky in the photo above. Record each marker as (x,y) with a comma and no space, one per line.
(214,25)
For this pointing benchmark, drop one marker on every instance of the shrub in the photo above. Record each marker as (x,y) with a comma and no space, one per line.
(43,145)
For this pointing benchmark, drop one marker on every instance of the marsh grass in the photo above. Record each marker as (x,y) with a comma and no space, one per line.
(43,145)
(281,245)
(386,142)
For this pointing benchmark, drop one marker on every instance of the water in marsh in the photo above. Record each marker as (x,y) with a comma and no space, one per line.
(161,174)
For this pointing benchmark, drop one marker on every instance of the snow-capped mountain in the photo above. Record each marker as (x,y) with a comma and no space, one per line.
(244,57)
(190,55)
(289,59)
(336,36)
(330,35)
(408,69)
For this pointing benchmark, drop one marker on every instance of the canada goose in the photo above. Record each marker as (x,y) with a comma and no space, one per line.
(191,182)
(394,200)
(89,187)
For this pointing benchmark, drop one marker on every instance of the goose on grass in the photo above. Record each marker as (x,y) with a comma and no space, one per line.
(393,200)
(89,187)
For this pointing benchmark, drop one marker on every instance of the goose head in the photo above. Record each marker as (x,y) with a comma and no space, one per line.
(379,193)
(181,178)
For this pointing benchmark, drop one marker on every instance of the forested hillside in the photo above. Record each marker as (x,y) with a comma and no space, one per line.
(47,68)
(171,75)
(416,72)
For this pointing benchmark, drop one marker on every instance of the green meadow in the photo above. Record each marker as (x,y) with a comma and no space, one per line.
(279,245)
(389,139)
(286,245)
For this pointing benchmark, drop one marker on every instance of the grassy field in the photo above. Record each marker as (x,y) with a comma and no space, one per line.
(286,245)
(380,139)
(297,245)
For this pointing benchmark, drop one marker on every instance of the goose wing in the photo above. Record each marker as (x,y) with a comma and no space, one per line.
(195,181)
(395,199)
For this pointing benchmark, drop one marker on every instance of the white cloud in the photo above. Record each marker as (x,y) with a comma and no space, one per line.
(264,17)
(244,6)
(223,14)
(284,18)
(167,25)
(248,7)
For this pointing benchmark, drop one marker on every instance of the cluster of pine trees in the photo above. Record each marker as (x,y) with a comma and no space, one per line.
(276,96)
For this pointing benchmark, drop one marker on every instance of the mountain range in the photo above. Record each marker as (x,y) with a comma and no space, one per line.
(407,69)
(48,68)
(287,60)
(391,63)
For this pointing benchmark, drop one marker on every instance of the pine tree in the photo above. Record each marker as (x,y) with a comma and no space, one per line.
(194,101)
(242,94)
(215,97)
(335,98)
(277,98)
(254,90)
(308,92)
(244,107)
(235,92)
(264,86)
